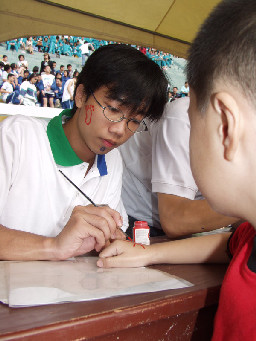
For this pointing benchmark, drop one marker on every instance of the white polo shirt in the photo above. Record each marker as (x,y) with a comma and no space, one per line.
(34,195)
(157,161)
(7,87)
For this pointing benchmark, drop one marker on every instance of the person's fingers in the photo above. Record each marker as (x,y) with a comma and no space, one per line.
(87,245)
(114,214)
(119,234)
(88,225)
(114,249)
(115,255)
(109,263)
(124,254)
(88,228)
(107,213)
(112,217)
(79,236)
(107,243)
(94,217)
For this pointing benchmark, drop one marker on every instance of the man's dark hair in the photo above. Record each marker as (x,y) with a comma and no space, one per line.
(31,76)
(69,65)
(21,55)
(4,56)
(35,69)
(129,75)
(75,74)
(6,67)
(13,66)
(225,49)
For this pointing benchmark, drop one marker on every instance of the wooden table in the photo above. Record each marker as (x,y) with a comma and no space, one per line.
(180,314)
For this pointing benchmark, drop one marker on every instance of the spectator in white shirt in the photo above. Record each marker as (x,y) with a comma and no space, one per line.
(28,91)
(22,61)
(7,88)
(185,90)
(47,92)
(85,49)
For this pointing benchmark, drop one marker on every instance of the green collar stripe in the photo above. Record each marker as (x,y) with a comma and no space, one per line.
(62,151)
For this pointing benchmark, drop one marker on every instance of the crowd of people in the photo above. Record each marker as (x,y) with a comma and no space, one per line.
(78,47)
(44,85)
(175,93)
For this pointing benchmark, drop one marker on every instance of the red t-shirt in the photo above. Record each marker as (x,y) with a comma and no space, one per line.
(236,315)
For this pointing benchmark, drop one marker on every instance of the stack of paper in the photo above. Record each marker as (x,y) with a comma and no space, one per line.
(44,282)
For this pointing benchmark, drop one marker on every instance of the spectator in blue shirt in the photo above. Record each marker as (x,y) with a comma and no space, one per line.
(58,91)
(40,87)
(65,77)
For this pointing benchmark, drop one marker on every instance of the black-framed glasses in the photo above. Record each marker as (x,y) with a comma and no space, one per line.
(116,115)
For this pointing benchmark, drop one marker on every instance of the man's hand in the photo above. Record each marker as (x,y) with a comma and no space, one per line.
(119,234)
(88,228)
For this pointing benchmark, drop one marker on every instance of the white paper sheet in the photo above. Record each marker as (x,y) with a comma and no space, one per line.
(43,282)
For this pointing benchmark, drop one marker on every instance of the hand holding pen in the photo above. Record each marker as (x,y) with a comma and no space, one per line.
(119,234)
(87,229)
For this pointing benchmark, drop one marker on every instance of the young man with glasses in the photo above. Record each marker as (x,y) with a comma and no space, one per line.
(42,215)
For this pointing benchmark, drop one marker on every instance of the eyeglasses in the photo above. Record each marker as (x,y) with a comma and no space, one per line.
(116,115)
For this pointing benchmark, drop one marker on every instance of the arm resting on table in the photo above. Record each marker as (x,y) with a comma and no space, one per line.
(181,216)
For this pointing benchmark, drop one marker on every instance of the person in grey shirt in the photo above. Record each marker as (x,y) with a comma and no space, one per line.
(158,185)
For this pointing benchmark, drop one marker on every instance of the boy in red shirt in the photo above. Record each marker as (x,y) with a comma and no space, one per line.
(221,75)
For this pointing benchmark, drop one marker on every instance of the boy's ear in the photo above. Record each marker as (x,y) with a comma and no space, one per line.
(80,96)
(229,128)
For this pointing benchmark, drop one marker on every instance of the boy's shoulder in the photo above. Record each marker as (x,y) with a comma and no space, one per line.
(177,109)
(5,83)
(114,154)
(114,162)
(241,236)
(23,123)
(24,84)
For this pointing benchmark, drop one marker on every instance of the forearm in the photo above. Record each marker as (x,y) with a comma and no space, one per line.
(19,245)
(181,216)
(88,228)
(204,249)
(204,217)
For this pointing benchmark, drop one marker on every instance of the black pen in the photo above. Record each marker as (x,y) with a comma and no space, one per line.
(86,196)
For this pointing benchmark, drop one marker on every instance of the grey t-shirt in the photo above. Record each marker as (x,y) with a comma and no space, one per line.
(157,161)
